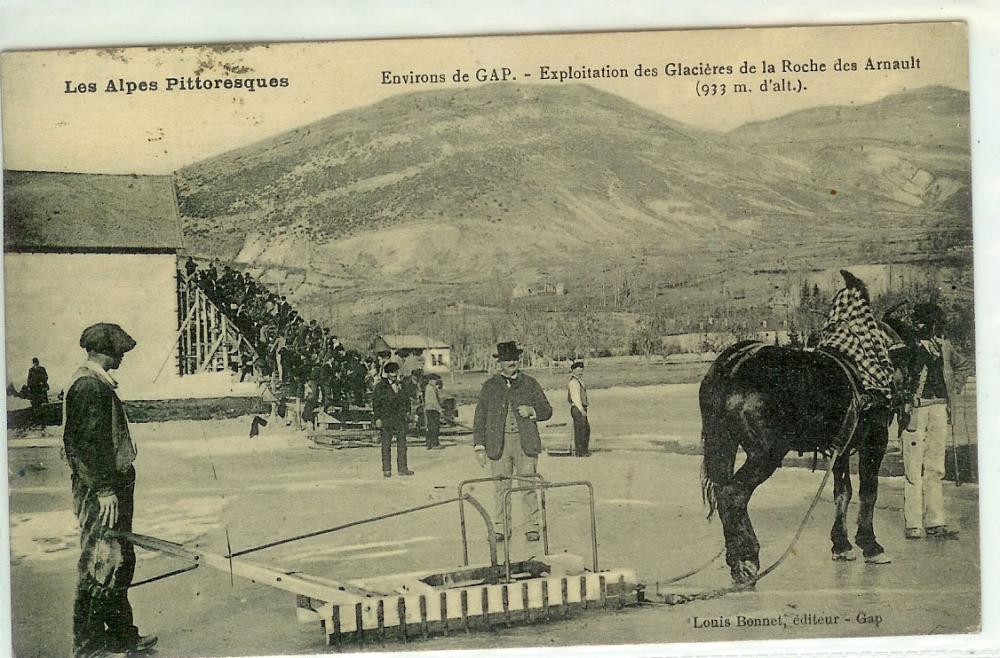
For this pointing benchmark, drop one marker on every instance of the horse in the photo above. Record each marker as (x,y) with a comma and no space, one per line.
(770,400)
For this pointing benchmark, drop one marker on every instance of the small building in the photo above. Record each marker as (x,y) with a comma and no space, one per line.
(82,248)
(412,350)
(538,289)
(716,341)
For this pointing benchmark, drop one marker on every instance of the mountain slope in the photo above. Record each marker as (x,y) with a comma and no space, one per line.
(569,165)
(908,150)
(461,194)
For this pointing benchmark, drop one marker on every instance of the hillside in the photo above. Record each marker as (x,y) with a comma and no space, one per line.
(431,198)
(908,150)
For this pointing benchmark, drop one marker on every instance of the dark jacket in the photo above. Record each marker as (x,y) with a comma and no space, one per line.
(950,368)
(96,437)
(491,414)
(37,385)
(391,407)
(38,379)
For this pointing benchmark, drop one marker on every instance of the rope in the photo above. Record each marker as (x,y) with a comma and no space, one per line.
(683,576)
(232,554)
(175,572)
(342,526)
(674,599)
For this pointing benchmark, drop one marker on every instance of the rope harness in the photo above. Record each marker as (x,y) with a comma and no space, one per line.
(848,428)
(676,598)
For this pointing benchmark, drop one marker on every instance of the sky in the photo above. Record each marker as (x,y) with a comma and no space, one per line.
(49,125)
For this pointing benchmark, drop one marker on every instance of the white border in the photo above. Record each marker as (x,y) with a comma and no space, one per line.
(33,24)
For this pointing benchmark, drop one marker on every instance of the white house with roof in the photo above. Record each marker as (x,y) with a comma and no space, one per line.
(431,354)
(84,248)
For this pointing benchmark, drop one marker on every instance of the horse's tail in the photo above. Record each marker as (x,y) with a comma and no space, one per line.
(716,464)
(713,470)
(718,445)
(707,487)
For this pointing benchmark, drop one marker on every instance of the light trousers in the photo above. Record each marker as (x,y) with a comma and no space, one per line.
(923,465)
(513,461)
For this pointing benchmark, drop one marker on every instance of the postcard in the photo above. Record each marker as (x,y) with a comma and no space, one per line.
(490,342)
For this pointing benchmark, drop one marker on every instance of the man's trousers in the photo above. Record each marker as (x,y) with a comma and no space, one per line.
(923,465)
(513,461)
(433,427)
(101,611)
(386,434)
(581,432)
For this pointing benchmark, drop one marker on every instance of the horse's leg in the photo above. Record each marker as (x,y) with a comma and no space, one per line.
(842,548)
(742,546)
(874,441)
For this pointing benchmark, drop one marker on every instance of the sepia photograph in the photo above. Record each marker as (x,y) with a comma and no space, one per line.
(491,342)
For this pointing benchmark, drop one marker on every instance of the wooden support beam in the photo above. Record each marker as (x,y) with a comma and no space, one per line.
(347,587)
(202,327)
(180,332)
(210,316)
(329,591)
(224,334)
(211,353)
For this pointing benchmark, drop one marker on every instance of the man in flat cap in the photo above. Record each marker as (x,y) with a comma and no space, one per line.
(576,395)
(505,430)
(940,373)
(100,452)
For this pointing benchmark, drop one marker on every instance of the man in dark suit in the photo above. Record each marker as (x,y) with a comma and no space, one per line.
(38,391)
(505,430)
(391,408)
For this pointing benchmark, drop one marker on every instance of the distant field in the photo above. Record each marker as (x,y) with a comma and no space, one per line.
(464,386)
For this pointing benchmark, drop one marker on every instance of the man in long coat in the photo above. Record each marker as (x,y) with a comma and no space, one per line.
(505,431)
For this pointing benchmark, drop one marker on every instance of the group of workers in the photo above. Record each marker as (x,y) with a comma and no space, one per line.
(511,403)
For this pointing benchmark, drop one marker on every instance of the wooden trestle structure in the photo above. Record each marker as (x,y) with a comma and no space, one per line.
(207,340)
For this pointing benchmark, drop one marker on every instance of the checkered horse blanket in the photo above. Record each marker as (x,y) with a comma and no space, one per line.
(852,330)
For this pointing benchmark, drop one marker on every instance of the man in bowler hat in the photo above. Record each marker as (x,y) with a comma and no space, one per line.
(391,409)
(100,453)
(505,431)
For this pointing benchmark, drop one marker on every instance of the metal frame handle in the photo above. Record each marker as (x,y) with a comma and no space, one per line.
(551,485)
(536,477)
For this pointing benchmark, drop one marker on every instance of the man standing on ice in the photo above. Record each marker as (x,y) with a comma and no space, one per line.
(100,453)
(505,430)
(940,372)
(391,409)
(577,397)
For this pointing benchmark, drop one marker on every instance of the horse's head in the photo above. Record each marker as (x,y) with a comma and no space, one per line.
(902,354)
(901,335)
